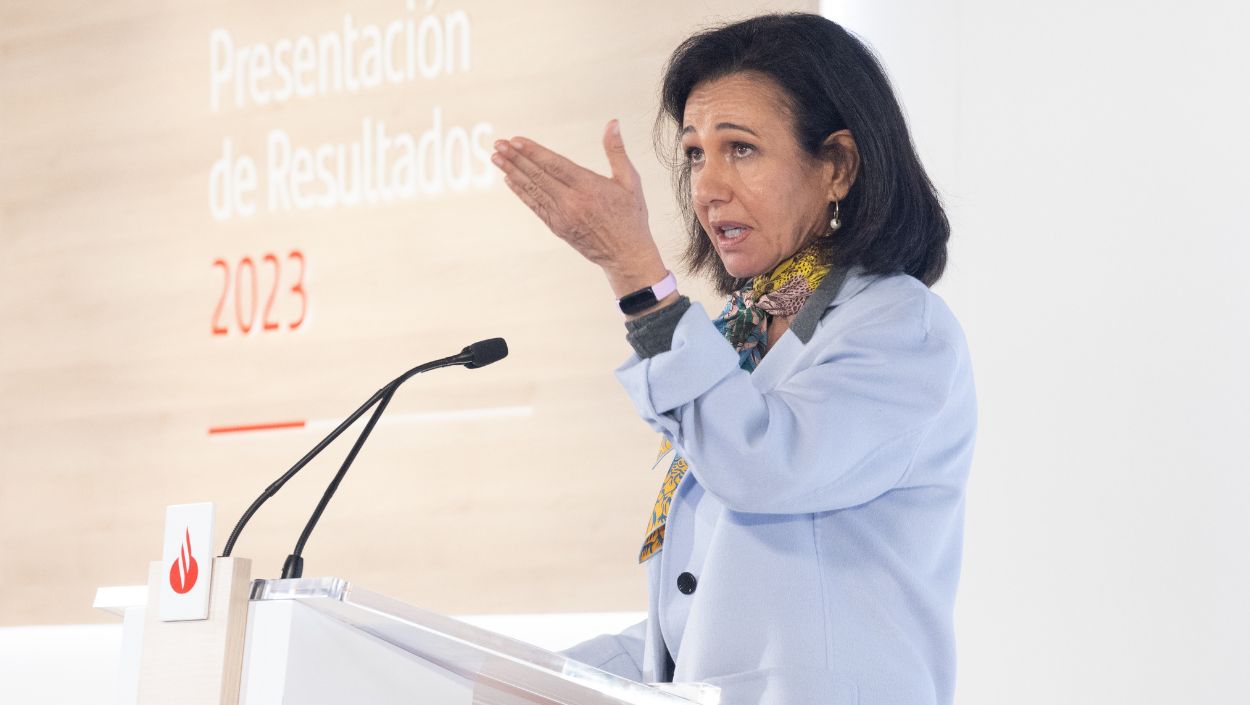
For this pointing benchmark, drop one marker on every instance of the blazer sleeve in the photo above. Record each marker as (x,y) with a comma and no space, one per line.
(618,654)
(836,433)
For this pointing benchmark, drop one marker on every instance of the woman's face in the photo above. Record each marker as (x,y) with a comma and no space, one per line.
(758,194)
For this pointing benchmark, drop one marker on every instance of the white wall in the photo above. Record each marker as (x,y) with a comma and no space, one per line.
(60,665)
(1094,157)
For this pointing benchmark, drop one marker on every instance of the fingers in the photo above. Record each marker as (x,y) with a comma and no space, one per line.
(535,161)
(539,209)
(524,170)
(622,169)
(556,165)
(532,184)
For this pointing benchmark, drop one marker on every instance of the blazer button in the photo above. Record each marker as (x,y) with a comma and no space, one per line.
(686,583)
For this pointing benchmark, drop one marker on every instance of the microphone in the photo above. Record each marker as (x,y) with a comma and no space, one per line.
(484,352)
(479,354)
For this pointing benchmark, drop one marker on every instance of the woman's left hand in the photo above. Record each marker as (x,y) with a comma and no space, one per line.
(603,218)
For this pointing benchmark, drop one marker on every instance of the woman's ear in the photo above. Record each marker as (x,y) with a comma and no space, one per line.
(843,155)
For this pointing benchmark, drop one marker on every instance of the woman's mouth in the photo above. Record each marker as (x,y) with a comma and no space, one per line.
(730,234)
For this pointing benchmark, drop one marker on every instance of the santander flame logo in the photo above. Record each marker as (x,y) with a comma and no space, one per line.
(185,570)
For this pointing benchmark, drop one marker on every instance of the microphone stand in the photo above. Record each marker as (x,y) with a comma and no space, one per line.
(273,488)
(293,567)
(477,355)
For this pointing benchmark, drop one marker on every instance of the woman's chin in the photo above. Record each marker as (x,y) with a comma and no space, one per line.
(739,269)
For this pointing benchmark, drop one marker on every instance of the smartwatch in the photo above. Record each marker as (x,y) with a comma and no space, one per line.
(643,299)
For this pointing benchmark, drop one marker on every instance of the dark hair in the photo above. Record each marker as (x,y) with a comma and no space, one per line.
(892,220)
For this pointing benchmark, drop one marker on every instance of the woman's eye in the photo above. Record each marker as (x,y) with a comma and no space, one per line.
(694,155)
(742,150)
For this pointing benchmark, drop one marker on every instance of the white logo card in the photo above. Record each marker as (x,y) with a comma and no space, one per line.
(187,564)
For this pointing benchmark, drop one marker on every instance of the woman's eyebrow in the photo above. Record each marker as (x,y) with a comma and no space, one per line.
(723,126)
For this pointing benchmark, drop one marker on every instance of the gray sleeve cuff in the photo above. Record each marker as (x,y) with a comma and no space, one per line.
(652,334)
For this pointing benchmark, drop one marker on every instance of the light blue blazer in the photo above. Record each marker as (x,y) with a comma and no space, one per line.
(821,522)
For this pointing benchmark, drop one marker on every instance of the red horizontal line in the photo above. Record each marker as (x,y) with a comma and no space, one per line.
(272,426)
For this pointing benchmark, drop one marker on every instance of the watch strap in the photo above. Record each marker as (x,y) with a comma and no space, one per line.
(645,298)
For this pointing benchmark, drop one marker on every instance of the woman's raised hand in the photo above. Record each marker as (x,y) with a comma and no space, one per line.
(603,218)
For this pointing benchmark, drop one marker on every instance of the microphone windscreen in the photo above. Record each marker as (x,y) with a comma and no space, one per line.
(485,352)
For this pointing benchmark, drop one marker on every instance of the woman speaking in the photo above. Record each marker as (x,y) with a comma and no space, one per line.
(817,433)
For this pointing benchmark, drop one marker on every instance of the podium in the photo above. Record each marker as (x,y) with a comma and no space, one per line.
(317,641)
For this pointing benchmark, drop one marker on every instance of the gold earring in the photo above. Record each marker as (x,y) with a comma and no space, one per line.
(836,221)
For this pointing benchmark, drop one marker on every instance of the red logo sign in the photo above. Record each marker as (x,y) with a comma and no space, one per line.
(184,571)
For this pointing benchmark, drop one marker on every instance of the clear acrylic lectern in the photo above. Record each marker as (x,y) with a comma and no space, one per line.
(321,640)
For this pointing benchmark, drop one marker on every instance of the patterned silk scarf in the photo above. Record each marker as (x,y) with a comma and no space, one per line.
(744,323)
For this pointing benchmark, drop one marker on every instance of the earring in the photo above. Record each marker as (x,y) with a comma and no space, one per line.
(836,221)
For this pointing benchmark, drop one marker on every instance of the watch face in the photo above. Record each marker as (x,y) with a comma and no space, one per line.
(640,300)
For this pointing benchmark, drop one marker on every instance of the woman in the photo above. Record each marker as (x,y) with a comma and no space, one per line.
(806,542)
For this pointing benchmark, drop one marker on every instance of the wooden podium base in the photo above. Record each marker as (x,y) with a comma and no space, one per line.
(196,662)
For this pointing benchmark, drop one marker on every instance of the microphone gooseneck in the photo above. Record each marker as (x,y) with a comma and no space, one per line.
(479,354)
(293,567)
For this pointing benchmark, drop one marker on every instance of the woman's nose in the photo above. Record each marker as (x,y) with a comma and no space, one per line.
(710,185)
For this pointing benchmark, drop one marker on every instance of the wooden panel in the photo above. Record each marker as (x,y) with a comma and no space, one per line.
(198,662)
(535,498)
